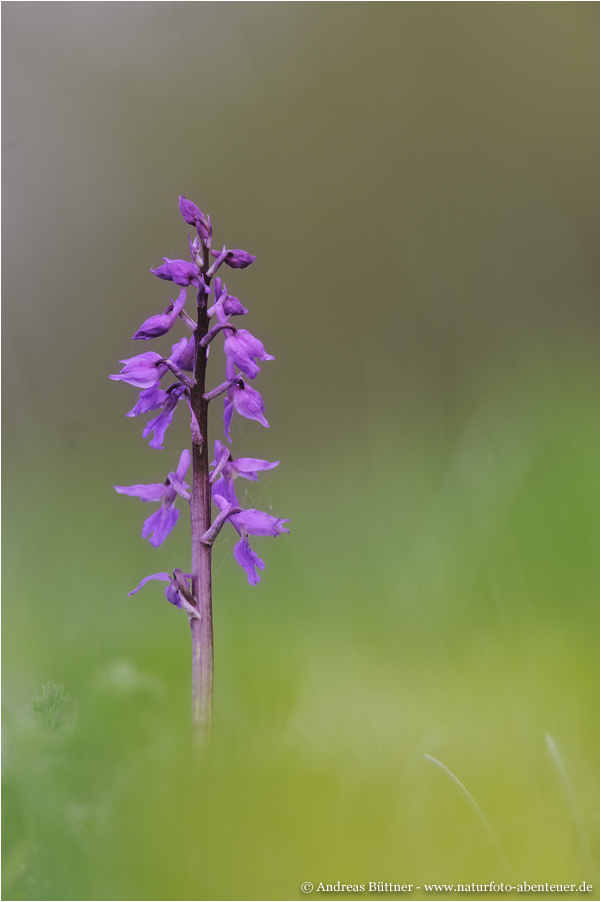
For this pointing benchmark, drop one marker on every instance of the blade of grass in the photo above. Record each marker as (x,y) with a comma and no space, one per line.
(474,805)
(573,806)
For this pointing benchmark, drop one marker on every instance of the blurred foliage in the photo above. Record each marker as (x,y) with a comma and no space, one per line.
(449,613)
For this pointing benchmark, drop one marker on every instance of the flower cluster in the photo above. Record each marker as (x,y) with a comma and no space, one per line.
(187,364)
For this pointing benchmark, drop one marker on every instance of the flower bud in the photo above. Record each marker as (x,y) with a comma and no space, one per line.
(237,259)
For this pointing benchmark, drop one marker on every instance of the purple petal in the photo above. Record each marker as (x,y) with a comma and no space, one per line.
(220,450)
(160,424)
(150,399)
(248,560)
(179,271)
(166,577)
(184,463)
(224,490)
(228,412)
(159,525)
(236,351)
(258,523)
(143,371)
(249,403)
(172,593)
(233,307)
(194,216)
(191,213)
(182,354)
(162,322)
(221,502)
(237,259)
(153,491)
(249,466)
(252,345)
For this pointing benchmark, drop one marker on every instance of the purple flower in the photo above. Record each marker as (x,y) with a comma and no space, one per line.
(248,403)
(248,560)
(245,400)
(150,399)
(257,523)
(172,590)
(178,271)
(159,424)
(254,523)
(159,525)
(237,259)
(163,322)
(241,347)
(233,307)
(143,371)
(248,467)
(182,354)
(194,217)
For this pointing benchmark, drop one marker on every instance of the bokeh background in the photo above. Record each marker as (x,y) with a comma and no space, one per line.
(418,182)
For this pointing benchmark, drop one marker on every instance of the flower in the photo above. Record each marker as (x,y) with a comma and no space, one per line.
(241,347)
(248,402)
(143,371)
(159,424)
(194,216)
(249,560)
(178,271)
(248,467)
(182,354)
(172,590)
(257,523)
(233,307)
(163,322)
(159,525)
(237,259)
(254,523)
(150,399)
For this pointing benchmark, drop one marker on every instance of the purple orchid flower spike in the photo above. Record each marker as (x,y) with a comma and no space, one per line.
(163,322)
(188,364)
(158,526)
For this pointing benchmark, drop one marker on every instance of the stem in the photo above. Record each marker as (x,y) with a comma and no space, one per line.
(200,510)
(211,395)
(215,331)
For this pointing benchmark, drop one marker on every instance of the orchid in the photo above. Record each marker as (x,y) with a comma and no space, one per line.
(189,355)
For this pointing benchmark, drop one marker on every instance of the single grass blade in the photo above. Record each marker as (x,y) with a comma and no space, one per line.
(573,806)
(491,833)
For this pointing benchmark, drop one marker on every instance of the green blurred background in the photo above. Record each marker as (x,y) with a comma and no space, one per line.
(418,181)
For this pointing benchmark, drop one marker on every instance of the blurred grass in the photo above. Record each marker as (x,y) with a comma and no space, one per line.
(436,596)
